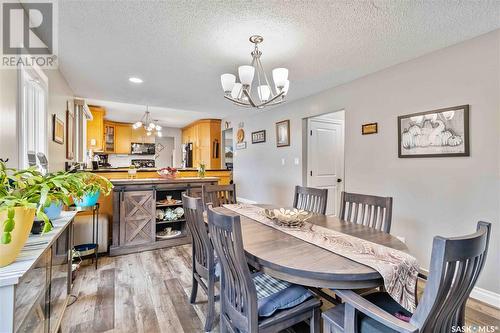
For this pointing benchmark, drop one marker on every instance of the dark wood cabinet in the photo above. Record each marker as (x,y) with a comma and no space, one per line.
(137,213)
(135,202)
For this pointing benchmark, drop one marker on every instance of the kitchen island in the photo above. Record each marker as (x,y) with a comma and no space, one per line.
(145,209)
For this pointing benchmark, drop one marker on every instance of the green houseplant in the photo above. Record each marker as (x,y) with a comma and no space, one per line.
(25,193)
(93,186)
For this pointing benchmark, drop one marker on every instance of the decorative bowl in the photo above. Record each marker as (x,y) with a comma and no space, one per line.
(291,218)
(179,211)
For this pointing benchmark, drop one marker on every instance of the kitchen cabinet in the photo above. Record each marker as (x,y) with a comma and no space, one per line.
(205,135)
(123,136)
(109,137)
(139,136)
(95,129)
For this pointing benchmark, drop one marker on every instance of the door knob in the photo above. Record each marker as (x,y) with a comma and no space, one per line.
(339,180)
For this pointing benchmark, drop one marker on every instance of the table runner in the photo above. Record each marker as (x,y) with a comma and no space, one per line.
(398,269)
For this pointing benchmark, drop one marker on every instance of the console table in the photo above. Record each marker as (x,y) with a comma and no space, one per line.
(34,290)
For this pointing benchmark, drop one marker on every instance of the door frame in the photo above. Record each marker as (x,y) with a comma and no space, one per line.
(308,158)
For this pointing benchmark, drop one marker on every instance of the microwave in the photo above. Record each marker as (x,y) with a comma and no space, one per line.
(142,148)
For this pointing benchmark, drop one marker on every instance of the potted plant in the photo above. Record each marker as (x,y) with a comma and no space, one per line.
(23,194)
(94,186)
(201,170)
(59,187)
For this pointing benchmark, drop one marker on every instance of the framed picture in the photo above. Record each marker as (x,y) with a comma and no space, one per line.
(371,128)
(57,130)
(437,133)
(283,133)
(259,136)
(70,133)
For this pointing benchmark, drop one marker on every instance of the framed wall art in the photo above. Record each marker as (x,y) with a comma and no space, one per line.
(283,133)
(436,133)
(259,136)
(57,130)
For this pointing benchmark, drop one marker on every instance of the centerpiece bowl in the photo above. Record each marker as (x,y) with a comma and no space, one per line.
(290,218)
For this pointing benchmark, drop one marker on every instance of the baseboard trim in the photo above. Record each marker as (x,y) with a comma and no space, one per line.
(246,201)
(479,294)
(486,296)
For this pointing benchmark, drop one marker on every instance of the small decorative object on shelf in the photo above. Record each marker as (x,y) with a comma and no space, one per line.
(290,218)
(201,170)
(168,233)
(167,172)
(132,171)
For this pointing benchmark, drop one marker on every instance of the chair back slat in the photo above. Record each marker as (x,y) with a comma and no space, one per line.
(238,293)
(310,199)
(203,252)
(455,267)
(369,210)
(219,195)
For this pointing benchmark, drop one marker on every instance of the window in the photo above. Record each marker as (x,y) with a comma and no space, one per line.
(33,129)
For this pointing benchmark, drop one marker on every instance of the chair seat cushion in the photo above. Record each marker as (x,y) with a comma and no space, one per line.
(274,294)
(365,323)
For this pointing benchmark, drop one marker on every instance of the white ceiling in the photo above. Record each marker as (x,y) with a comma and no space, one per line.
(180,48)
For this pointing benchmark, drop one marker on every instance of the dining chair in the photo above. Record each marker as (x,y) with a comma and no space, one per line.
(203,256)
(310,199)
(219,195)
(369,210)
(455,266)
(253,303)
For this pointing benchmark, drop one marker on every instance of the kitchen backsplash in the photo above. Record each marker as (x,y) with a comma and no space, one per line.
(120,161)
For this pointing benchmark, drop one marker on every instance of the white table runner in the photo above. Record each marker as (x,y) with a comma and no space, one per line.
(398,269)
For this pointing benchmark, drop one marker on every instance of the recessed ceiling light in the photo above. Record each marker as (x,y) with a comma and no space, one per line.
(135,80)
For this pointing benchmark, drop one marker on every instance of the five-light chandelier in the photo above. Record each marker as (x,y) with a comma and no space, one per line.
(241,92)
(149,124)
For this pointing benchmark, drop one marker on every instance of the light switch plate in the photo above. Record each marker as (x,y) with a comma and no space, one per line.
(296,161)
(282,161)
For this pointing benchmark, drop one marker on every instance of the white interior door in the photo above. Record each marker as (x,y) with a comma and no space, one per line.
(325,159)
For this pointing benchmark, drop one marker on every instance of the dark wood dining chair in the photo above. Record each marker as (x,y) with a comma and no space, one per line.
(455,266)
(369,210)
(219,195)
(240,303)
(310,199)
(203,256)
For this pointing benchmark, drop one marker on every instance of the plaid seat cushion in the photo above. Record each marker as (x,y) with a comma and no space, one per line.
(267,285)
(274,294)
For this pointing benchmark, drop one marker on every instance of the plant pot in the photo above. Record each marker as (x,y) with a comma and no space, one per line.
(23,220)
(88,200)
(54,210)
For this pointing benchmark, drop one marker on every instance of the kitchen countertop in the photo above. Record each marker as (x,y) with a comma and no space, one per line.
(147,170)
(147,181)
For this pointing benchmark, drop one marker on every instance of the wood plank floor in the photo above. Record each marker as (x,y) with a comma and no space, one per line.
(148,292)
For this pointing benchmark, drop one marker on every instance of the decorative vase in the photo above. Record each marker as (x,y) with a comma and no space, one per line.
(54,210)
(201,171)
(88,200)
(23,220)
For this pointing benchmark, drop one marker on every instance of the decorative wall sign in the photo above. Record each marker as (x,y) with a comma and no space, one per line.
(241,145)
(57,130)
(437,133)
(259,136)
(371,128)
(70,133)
(283,133)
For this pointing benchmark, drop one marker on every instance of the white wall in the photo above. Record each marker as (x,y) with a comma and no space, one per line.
(432,196)
(165,157)
(59,93)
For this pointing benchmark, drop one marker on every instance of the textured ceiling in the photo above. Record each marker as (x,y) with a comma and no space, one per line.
(180,48)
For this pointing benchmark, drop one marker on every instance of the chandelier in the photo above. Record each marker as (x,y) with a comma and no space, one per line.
(149,124)
(241,92)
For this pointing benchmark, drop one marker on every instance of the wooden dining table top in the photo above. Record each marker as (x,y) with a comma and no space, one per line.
(291,259)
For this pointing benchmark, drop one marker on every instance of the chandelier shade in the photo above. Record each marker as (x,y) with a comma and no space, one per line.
(254,77)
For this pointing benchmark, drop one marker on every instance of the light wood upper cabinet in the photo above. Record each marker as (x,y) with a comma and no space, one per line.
(95,129)
(139,136)
(109,137)
(123,136)
(205,135)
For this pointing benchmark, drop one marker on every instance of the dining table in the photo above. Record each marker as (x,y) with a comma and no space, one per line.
(288,258)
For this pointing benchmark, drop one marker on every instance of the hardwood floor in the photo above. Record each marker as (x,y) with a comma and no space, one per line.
(149,292)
